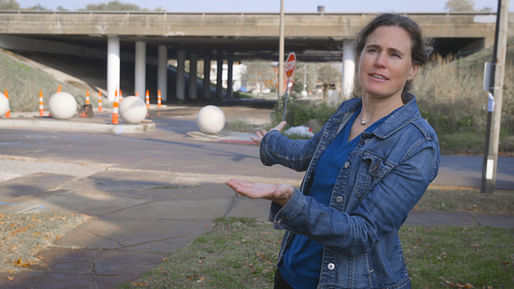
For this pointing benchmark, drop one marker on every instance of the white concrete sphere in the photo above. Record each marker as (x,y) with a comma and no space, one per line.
(132,109)
(210,119)
(62,105)
(4,104)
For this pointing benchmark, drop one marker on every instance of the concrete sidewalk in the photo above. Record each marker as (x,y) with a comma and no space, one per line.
(101,122)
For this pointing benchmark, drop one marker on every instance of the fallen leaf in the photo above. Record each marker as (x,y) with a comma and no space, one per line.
(10,278)
(201,279)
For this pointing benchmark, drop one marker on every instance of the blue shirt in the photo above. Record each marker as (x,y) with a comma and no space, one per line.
(301,264)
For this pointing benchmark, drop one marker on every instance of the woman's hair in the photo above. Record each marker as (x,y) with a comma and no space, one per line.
(419,50)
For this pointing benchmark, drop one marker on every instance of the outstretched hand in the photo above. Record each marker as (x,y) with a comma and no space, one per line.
(279,194)
(259,135)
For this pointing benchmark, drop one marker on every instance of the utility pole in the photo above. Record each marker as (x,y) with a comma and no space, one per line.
(281,53)
(495,99)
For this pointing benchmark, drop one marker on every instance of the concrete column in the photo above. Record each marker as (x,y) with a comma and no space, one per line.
(113,66)
(192,76)
(219,77)
(348,68)
(181,92)
(230,85)
(162,72)
(140,69)
(207,76)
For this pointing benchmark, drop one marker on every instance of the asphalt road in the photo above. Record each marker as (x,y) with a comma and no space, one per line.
(169,149)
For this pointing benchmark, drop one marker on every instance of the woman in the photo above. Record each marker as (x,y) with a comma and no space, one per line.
(365,170)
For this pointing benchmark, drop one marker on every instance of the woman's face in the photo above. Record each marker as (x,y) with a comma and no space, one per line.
(385,62)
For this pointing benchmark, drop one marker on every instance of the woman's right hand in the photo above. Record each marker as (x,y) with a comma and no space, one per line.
(259,135)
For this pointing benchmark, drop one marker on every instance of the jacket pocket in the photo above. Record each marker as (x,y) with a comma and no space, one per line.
(373,170)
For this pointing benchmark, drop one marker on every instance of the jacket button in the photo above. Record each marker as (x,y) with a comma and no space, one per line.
(346,165)
(331,266)
(339,199)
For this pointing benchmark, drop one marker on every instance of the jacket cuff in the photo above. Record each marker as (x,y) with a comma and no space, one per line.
(280,215)
(264,148)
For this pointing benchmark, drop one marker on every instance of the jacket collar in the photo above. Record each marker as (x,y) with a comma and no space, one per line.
(396,121)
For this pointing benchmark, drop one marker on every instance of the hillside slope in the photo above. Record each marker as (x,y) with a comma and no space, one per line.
(24,77)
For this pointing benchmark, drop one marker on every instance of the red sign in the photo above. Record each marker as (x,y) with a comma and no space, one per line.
(290,65)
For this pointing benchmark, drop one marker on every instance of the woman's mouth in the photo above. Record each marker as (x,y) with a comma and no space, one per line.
(378,76)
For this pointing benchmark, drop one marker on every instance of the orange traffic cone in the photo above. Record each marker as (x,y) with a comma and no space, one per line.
(147,99)
(159,99)
(115,109)
(88,100)
(41,108)
(121,95)
(59,88)
(99,101)
(8,113)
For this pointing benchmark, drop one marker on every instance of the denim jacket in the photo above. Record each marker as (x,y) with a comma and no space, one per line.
(382,180)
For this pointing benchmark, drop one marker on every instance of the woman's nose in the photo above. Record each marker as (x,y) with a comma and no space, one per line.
(380,60)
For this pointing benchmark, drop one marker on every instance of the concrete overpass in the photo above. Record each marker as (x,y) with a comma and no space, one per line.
(155,37)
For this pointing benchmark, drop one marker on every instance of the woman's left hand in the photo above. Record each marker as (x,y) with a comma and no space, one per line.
(279,194)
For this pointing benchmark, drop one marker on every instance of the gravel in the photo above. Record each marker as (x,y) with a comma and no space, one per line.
(22,236)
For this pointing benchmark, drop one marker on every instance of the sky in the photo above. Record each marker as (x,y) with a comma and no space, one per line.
(273,6)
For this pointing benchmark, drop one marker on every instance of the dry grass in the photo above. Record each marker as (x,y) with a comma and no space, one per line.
(452,98)
(24,81)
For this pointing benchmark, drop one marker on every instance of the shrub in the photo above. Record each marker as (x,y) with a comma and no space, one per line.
(309,114)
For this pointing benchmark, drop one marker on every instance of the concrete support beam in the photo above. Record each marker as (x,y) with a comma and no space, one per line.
(140,69)
(192,76)
(348,68)
(113,66)
(181,80)
(162,71)
(230,73)
(207,76)
(219,76)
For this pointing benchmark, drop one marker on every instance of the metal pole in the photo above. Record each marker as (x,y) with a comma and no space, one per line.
(285,101)
(281,52)
(494,114)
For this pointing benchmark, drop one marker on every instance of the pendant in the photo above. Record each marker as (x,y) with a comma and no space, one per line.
(363,122)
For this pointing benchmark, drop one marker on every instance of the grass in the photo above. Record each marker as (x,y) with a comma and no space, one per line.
(459,257)
(241,252)
(235,253)
(23,83)
(501,202)
(240,126)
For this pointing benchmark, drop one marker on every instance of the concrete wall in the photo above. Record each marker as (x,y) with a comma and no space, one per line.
(232,25)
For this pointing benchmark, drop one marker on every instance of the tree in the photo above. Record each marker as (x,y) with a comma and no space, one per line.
(37,7)
(460,5)
(307,71)
(328,74)
(9,5)
(113,6)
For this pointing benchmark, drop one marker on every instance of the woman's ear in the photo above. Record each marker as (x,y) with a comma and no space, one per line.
(413,72)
